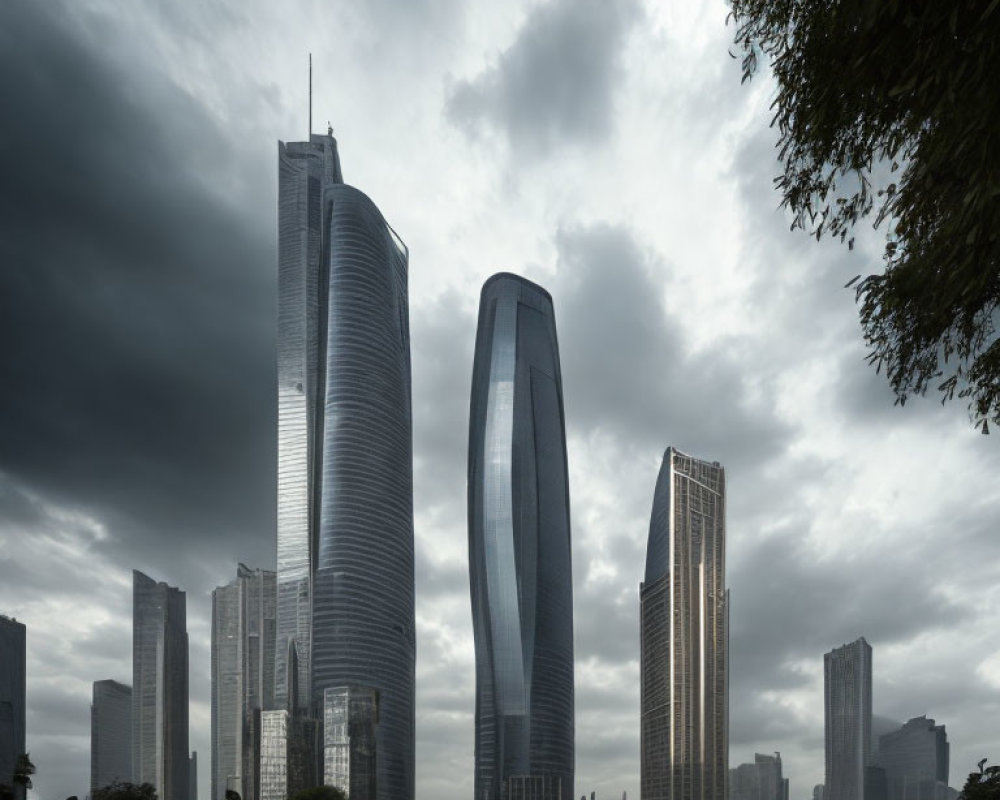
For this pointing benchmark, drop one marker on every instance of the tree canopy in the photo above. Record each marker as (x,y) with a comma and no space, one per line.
(123,790)
(319,793)
(891,107)
(982,785)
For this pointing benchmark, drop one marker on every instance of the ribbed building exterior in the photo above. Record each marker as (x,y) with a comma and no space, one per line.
(684,704)
(345,466)
(847,694)
(110,734)
(13,660)
(243,636)
(916,760)
(519,549)
(159,687)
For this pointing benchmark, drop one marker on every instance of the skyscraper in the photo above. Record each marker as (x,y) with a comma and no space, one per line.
(519,549)
(915,759)
(345,466)
(684,750)
(847,694)
(243,630)
(159,687)
(761,780)
(12,695)
(110,734)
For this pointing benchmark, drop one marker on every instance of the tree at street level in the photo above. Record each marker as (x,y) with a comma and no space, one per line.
(982,785)
(123,790)
(892,107)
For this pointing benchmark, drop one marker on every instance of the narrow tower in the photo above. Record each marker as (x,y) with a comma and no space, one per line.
(159,687)
(519,549)
(685,635)
(847,694)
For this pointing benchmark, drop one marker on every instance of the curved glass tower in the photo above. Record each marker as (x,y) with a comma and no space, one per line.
(519,549)
(345,472)
(685,635)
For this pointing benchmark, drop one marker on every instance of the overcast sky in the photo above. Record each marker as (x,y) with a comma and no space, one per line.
(604,150)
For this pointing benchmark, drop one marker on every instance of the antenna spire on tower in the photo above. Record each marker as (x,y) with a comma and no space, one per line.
(310,94)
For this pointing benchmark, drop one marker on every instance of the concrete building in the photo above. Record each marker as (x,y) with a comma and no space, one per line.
(243,640)
(160,753)
(13,660)
(110,734)
(847,691)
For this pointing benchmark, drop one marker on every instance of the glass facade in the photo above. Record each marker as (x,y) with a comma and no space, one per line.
(684,618)
(519,549)
(287,754)
(159,687)
(110,734)
(847,695)
(345,466)
(350,721)
(12,695)
(243,636)
(915,759)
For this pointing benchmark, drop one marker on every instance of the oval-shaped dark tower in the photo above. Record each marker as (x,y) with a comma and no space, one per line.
(519,549)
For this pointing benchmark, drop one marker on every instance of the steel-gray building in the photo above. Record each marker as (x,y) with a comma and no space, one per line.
(915,759)
(110,734)
(13,656)
(684,637)
(847,694)
(345,466)
(243,635)
(761,780)
(159,687)
(519,549)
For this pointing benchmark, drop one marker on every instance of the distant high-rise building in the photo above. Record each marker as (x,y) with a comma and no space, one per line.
(819,791)
(350,720)
(915,759)
(243,636)
(519,549)
(761,780)
(848,711)
(193,776)
(110,734)
(12,695)
(684,749)
(159,687)
(345,465)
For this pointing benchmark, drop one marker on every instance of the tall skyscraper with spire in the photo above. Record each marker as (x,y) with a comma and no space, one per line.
(519,549)
(159,687)
(345,466)
(685,635)
(847,694)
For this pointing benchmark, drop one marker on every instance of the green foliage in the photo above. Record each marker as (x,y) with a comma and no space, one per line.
(319,793)
(122,790)
(23,770)
(892,106)
(982,785)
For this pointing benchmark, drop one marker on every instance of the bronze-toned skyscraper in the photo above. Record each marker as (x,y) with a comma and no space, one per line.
(685,635)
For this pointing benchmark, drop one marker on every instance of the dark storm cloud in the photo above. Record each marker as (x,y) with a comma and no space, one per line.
(628,370)
(556,84)
(136,308)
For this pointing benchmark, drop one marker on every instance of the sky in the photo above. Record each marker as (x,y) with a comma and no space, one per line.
(604,150)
